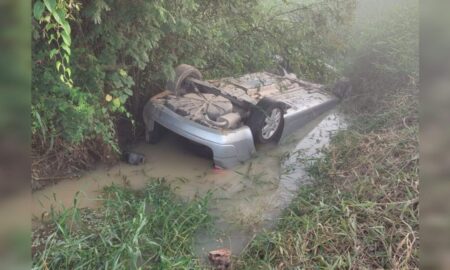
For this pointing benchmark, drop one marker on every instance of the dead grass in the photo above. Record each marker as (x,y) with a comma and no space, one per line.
(62,160)
(362,213)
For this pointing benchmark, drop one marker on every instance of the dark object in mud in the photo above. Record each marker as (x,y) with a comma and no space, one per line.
(342,88)
(133,158)
(220,258)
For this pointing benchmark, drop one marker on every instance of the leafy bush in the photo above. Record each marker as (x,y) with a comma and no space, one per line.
(96,62)
(384,58)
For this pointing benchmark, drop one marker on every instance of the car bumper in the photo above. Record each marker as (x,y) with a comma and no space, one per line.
(295,119)
(229,147)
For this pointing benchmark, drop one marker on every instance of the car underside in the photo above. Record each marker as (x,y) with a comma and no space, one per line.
(234,112)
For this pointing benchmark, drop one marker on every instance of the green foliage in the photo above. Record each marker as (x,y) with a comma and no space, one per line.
(362,211)
(53,16)
(385,49)
(150,229)
(60,110)
(95,61)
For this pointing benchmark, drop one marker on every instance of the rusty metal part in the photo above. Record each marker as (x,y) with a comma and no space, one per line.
(232,120)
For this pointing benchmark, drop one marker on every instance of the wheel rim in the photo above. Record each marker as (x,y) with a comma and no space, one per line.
(272,121)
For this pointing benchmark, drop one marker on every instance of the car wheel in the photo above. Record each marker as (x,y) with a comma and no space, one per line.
(155,135)
(182,72)
(266,121)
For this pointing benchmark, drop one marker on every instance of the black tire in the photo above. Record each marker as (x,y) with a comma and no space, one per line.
(182,72)
(154,136)
(257,121)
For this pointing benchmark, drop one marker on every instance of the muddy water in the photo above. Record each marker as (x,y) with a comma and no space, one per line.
(245,200)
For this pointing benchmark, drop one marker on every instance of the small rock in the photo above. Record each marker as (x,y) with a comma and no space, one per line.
(133,158)
(220,258)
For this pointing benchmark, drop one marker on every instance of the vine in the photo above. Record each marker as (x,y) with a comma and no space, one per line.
(57,30)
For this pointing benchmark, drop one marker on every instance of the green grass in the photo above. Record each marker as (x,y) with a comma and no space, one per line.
(362,211)
(149,229)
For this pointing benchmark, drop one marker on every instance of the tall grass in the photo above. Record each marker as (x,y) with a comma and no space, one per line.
(149,229)
(362,210)
(362,213)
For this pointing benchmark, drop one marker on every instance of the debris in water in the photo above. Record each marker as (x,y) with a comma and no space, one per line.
(217,169)
(134,158)
(220,258)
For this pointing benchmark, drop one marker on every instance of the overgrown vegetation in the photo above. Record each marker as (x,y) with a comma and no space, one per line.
(362,211)
(149,229)
(96,62)
(385,52)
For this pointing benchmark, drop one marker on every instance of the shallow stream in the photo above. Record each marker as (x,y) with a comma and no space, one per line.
(245,200)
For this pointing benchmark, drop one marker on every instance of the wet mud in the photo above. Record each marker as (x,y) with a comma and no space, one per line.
(244,200)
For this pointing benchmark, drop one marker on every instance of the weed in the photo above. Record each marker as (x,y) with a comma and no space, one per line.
(149,229)
(362,211)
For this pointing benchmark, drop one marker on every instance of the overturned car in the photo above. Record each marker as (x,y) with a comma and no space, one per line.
(230,115)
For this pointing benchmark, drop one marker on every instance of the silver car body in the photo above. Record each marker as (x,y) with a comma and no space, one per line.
(230,147)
